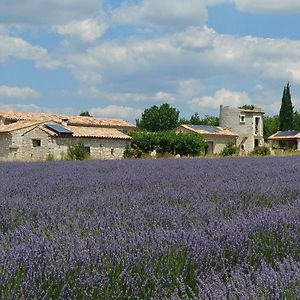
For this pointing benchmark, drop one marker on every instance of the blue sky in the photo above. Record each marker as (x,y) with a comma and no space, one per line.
(115,58)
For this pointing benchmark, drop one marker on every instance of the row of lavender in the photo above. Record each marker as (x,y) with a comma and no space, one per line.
(181,229)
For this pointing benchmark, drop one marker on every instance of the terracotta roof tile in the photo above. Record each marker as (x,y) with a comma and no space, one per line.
(18,125)
(97,132)
(218,132)
(70,119)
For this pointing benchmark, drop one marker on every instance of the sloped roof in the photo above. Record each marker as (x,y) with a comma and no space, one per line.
(97,132)
(285,135)
(255,110)
(70,119)
(77,131)
(18,125)
(209,130)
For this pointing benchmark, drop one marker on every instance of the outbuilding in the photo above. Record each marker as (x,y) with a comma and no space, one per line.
(285,140)
(215,136)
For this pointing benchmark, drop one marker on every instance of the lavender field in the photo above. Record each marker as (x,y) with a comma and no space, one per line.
(151,229)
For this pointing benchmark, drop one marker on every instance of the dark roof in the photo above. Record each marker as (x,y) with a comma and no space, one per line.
(212,129)
(58,128)
(285,135)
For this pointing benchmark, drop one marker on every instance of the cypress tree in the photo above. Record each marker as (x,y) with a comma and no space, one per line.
(286,111)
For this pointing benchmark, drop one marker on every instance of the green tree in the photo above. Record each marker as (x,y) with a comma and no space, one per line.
(77,151)
(247,106)
(207,120)
(85,114)
(271,125)
(286,111)
(159,118)
(230,149)
(168,142)
(296,120)
(195,119)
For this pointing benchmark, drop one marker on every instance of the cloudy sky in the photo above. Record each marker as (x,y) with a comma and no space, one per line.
(115,58)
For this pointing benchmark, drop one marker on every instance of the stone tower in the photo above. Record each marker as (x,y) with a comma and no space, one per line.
(247,123)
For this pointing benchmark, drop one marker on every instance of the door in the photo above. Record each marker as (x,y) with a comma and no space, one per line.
(209,150)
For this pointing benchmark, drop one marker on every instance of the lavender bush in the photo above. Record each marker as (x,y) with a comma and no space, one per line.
(156,229)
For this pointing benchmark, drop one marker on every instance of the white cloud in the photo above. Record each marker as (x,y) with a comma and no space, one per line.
(269,6)
(165,97)
(221,97)
(14,47)
(87,30)
(47,12)
(116,111)
(156,13)
(17,92)
(180,67)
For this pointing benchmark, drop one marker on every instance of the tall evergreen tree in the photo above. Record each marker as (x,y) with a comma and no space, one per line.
(286,111)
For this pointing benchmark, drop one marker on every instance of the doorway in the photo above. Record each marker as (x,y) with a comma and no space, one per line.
(209,150)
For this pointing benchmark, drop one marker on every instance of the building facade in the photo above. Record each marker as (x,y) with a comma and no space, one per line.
(216,137)
(285,140)
(247,123)
(39,138)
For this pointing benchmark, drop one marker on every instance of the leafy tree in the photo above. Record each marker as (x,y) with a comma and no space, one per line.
(210,120)
(183,121)
(286,110)
(230,149)
(247,106)
(271,125)
(77,152)
(296,120)
(261,151)
(168,142)
(159,118)
(195,119)
(207,120)
(85,114)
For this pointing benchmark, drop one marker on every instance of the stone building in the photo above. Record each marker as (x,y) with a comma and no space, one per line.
(247,123)
(215,136)
(285,140)
(34,137)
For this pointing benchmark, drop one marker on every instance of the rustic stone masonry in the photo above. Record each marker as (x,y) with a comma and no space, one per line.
(248,124)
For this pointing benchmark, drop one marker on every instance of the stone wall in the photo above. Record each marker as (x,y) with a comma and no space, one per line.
(99,148)
(33,144)
(230,118)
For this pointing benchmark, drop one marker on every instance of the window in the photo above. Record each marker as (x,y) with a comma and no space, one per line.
(87,149)
(242,147)
(112,151)
(242,119)
(257,126)
(36,143)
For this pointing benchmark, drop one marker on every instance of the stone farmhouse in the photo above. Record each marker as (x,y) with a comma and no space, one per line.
(243,127)
(35,136)
(247,123)
(216,137)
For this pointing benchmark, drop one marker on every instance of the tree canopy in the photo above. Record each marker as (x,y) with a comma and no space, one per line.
(159,118)
(286,113)
(271,125)
(247,106)
(85,114)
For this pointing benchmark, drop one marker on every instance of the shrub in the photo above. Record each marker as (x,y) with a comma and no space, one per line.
(230,149)
(168,142)
(77,152)
(261,151)
(50,157)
